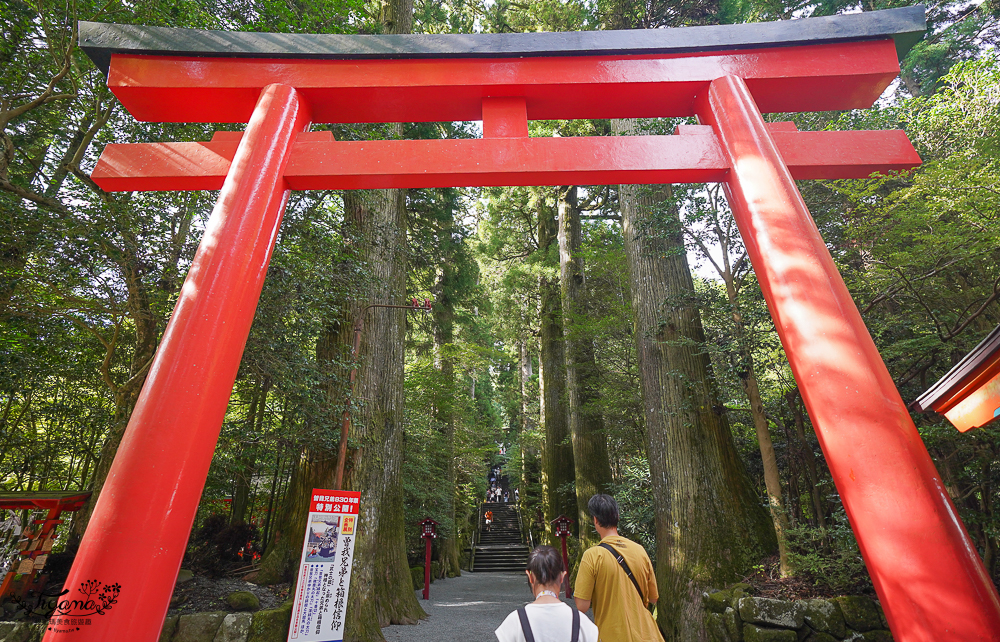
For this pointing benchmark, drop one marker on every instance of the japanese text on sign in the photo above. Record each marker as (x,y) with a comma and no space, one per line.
(324,576)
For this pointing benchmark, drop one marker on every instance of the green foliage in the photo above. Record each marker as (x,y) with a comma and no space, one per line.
(829,557)
(922,249)
(88,280)
(634,492)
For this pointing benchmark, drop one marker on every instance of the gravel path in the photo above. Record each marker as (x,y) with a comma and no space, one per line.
(465,609)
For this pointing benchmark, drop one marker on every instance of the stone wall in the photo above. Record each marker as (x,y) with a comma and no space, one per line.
(262,626)
(733,615)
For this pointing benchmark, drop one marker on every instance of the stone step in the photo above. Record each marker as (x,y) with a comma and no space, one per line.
(500,548)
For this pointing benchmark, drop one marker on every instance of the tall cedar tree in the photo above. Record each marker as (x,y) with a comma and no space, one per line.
(557,453)
(586,423)
(445,290)
(381,587)
(710,526)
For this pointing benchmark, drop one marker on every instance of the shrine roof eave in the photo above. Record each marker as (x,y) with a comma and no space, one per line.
(965,376)
(99,41)
(66,500)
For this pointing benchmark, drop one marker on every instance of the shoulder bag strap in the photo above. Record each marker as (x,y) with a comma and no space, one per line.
(525,626)
(624,565)
(575,636)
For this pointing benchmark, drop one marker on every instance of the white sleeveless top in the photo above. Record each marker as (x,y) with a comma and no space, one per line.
(549,623)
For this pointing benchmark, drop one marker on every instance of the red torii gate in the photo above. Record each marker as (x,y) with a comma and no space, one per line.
(925,568)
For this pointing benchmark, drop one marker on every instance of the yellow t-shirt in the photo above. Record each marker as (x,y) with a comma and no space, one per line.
(619,614)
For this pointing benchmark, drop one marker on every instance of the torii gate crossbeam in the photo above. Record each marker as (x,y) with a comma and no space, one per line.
(925,568)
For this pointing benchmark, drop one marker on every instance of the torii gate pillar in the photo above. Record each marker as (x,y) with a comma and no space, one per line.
(925,568)
(889,486)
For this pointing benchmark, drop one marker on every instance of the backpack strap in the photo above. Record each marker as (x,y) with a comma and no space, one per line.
(525,626)
(624,565)
(530,637)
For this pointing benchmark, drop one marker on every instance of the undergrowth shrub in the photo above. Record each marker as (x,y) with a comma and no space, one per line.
(829,557)
(218,545)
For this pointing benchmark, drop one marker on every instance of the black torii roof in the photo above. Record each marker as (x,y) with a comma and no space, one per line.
(99,40)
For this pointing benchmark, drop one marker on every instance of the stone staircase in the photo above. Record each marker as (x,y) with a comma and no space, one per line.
(500,548)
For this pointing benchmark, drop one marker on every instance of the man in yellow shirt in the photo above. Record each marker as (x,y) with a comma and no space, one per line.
(620,602)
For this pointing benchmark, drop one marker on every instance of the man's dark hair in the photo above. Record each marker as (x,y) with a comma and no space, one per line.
(545,563)
(605,509)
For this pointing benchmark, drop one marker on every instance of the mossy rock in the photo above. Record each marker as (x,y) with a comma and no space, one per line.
(417,573)
(725,626)
(738,591)
(198,627)
(859,612)
(271,625)
(753,633)
(819,636)
(734,624)
(716,629)
(782,613)
(718,601)
(825,616)
(243,601)
(24,632)
(876,636)
(169,628)
(234,628)
(881,615)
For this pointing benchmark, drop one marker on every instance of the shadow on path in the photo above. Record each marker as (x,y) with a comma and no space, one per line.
(465,609)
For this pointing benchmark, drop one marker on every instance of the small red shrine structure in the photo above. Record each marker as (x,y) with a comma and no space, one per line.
(969,395)
(37,537)
(929,578)
(428,532)
(561,528)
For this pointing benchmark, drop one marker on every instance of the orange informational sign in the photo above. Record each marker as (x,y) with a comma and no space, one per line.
(325,569)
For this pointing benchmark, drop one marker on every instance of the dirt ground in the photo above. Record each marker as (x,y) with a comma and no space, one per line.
(201,594)
(766,581)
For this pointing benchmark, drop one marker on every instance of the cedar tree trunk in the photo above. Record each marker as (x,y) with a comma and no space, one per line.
(586,424)
(710,526)
(557,454)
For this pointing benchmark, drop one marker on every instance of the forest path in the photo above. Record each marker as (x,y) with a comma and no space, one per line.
(465,609)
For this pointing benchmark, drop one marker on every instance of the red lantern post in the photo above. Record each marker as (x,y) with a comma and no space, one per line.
(561,527)
(428,531)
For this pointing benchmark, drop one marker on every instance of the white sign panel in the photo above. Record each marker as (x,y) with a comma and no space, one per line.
(325,570)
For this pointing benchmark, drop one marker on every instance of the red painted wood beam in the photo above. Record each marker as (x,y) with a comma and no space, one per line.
(139,530)
(505,117)
(931,582)
(782,79)
(319,162)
